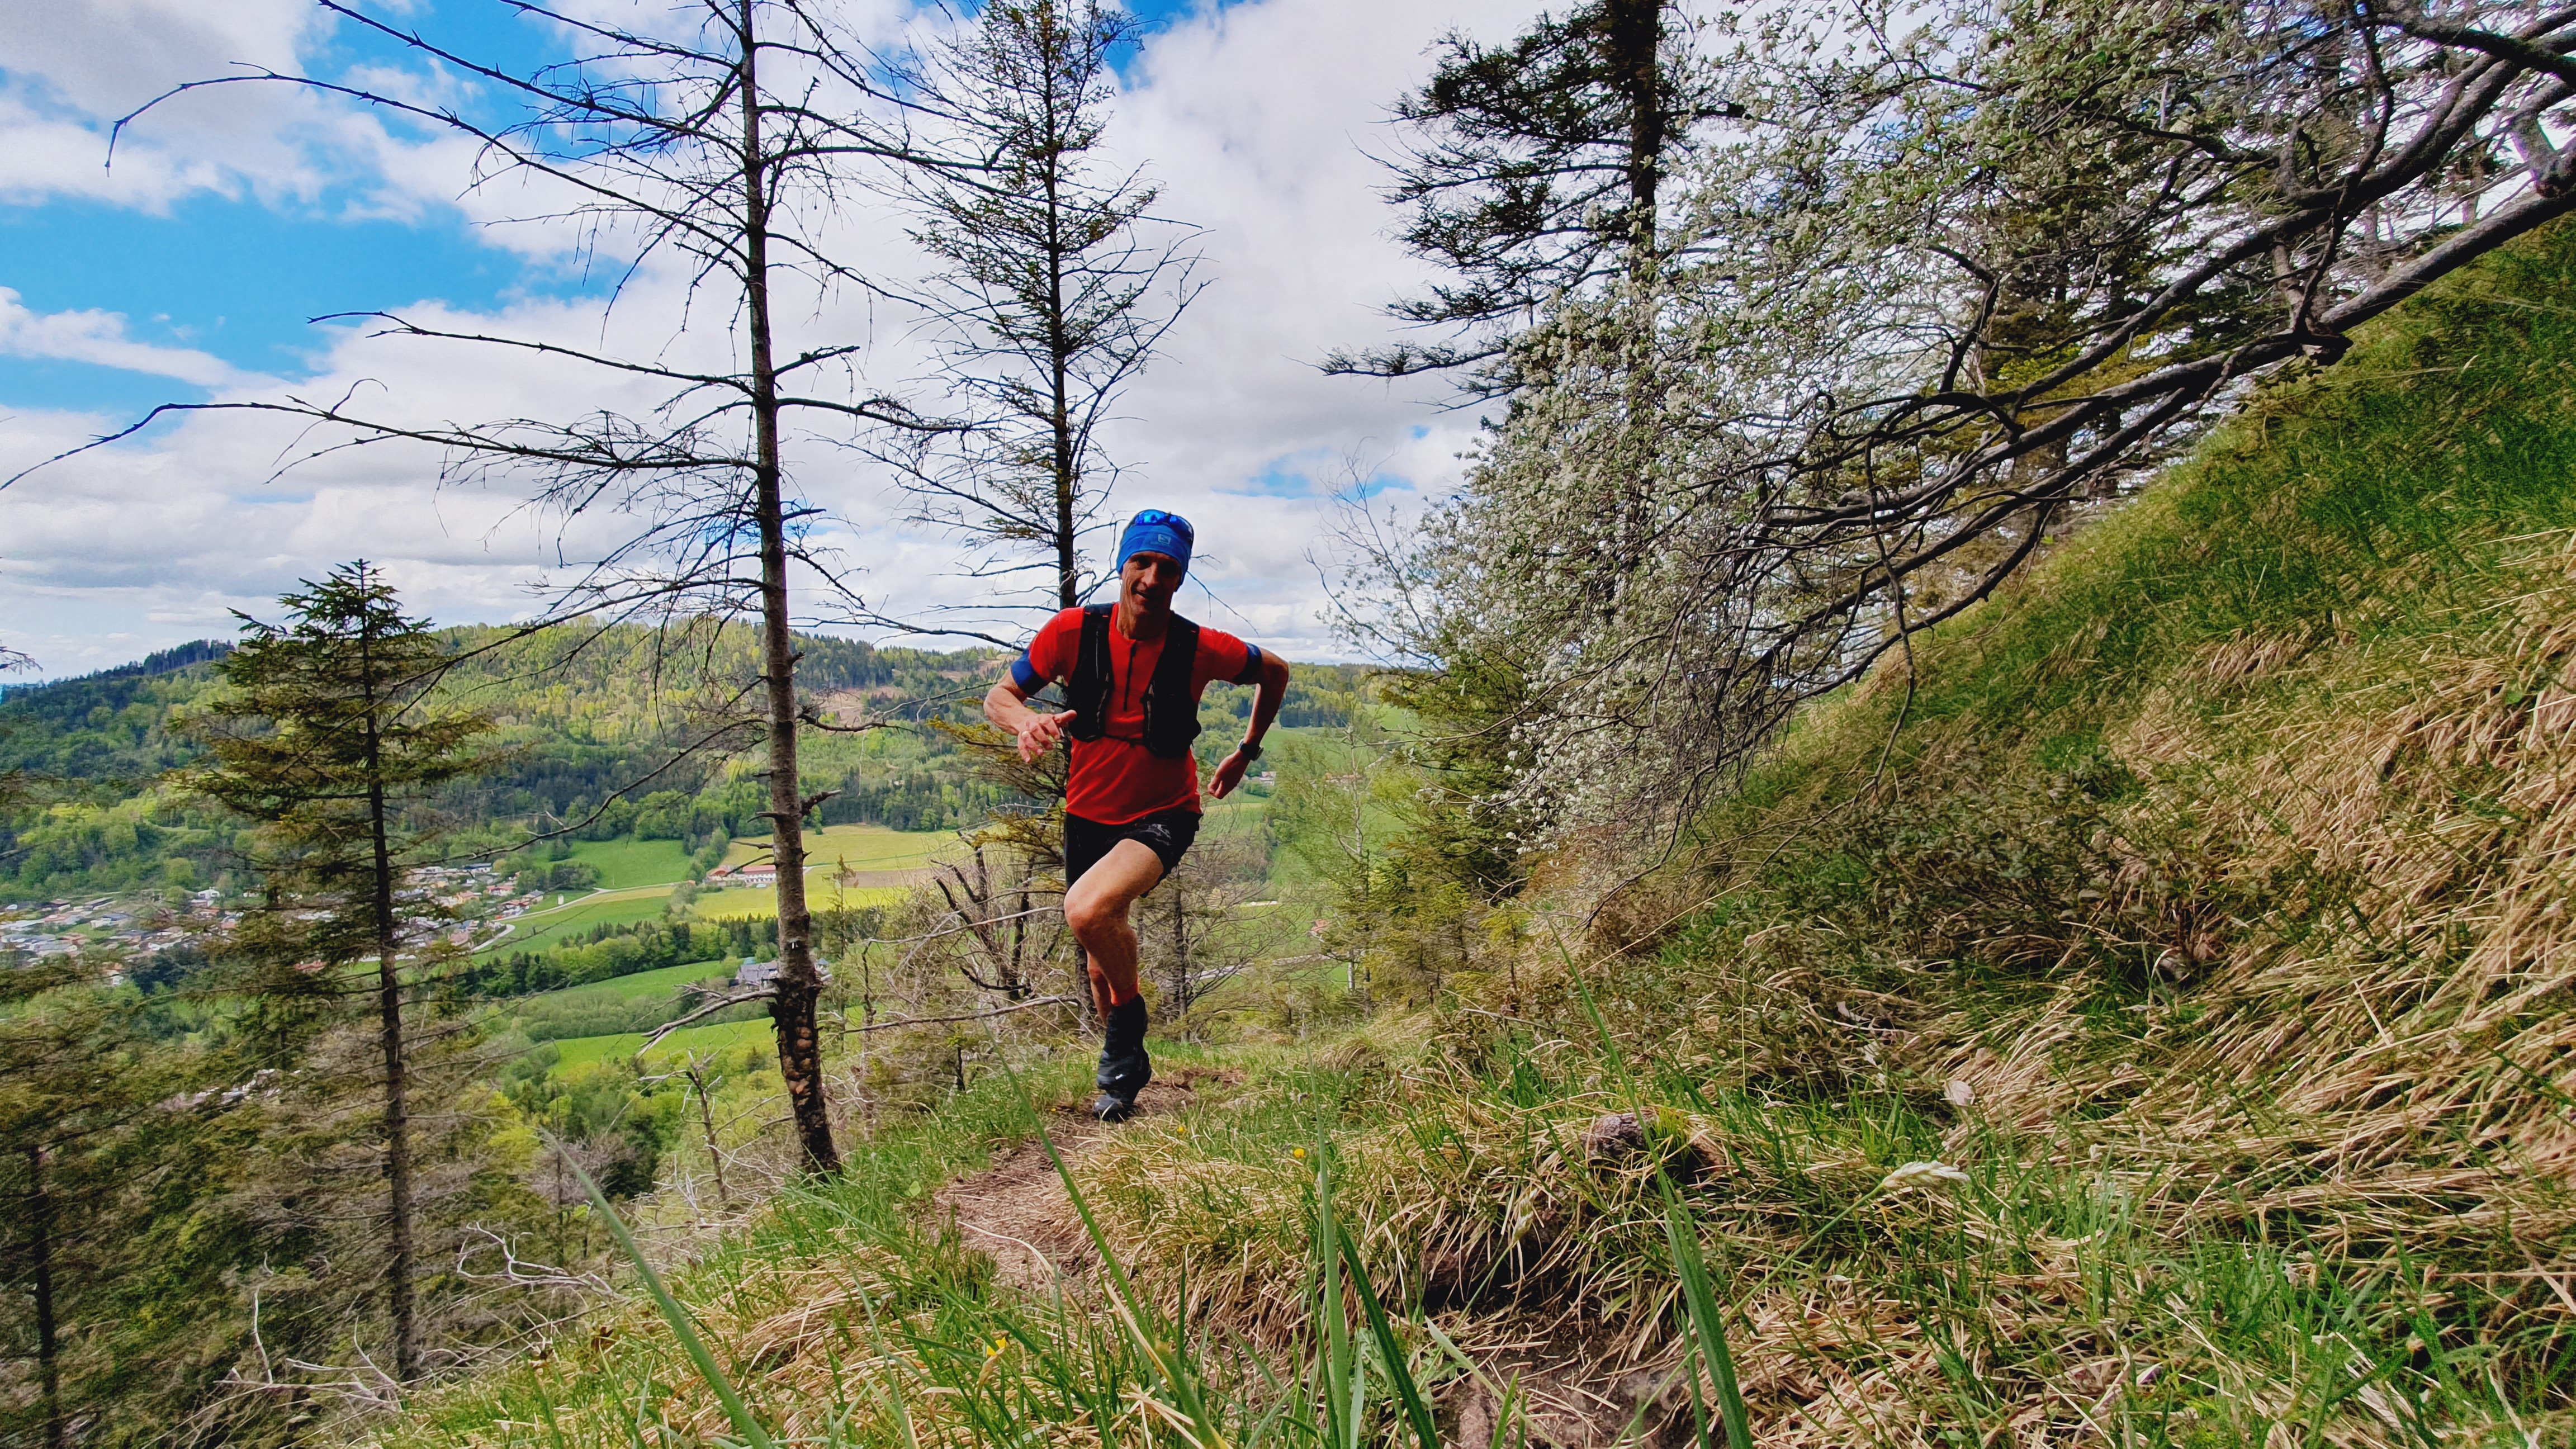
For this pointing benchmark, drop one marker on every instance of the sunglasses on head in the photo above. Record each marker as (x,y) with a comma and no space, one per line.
(1173,521)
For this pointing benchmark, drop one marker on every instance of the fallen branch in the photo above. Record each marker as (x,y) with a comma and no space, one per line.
(518,1273)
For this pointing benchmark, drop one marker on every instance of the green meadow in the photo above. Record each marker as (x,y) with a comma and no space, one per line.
(722,1036)
(626,864)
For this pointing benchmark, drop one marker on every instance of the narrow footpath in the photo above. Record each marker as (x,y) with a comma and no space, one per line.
(1016,1211)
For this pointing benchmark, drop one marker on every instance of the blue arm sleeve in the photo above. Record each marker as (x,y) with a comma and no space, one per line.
(1025,675)
(1251,664)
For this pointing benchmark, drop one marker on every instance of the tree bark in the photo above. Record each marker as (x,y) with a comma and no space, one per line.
(40,1247)
(793,1010)
(1060,348)
(398,1204)
(1636,42)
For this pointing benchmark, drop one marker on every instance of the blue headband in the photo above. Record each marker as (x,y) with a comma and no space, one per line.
(1154,531)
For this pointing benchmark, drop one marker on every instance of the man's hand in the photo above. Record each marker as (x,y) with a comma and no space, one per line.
(1229,774)
(1039,732)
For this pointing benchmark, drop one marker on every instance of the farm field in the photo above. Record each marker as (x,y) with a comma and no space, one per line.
(540,929)
(761,902)
(664,982)
(862,847)
(626,864)
(582,1050)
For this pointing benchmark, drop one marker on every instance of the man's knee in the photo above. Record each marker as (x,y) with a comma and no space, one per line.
(1090,915)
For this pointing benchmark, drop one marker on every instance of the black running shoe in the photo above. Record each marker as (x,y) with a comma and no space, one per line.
(1124,1067)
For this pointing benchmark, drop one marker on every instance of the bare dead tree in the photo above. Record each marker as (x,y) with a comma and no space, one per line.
(697,1073)
(721,144)
(999,893)
(1058,285)
(1193,939)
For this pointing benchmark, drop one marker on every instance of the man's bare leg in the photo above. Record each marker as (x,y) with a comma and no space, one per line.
(1096,908)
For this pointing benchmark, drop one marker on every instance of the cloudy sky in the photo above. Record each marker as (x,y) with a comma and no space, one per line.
(190,270)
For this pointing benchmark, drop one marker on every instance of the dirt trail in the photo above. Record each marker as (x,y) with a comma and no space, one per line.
(1574,1394)
(1016,1211)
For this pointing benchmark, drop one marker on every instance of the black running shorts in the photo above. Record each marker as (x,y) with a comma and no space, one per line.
(1167,833)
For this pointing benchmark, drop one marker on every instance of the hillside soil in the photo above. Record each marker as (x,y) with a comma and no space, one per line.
(1016,1212)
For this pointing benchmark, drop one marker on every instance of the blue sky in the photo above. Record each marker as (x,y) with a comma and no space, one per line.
(240,277)
(235,278)
(236,215)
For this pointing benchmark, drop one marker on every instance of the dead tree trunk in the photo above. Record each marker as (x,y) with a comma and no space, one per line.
(40,1249)
(793,1010)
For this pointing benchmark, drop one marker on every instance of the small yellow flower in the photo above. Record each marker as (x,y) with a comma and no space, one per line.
(1181,1130)
(1299,1153)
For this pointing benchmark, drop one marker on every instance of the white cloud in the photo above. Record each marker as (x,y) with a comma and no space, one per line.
(73,69)
(1253,117)
(99,337)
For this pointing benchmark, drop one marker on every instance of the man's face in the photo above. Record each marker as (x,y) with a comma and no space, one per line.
(1149,580)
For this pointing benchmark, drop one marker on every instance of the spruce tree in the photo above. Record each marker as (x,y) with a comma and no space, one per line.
(331,740)
(1536,175)
(64,1099)
(112,1253)
(1056,287)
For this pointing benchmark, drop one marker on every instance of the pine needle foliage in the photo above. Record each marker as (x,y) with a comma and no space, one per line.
(331,739)
(1056,284)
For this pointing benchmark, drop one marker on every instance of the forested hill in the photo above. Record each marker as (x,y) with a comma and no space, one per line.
(620,731)
(104,684)
(115,725)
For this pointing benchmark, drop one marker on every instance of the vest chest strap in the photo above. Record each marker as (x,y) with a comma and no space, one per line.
(1171,710)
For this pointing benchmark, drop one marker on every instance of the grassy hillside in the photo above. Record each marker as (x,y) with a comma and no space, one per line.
(861,847)
(580,914)
(582,716)
(2142,1016)
(722,1036)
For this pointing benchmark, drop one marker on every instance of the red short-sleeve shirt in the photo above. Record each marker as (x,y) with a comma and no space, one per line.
(1115,779)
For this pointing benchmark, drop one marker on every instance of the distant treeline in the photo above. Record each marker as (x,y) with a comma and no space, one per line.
(166,661)
(600,729)
(606,952)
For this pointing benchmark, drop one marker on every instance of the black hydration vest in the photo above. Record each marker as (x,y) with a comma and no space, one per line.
(1171,713)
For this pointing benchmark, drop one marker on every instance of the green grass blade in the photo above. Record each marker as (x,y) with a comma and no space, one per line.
(1708,1325)
(1392,1351)
(1592,1009)
(893,1395)
(672,1313)
(1342,1389)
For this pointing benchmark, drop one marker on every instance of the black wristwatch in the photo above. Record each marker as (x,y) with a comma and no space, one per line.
(1249,751)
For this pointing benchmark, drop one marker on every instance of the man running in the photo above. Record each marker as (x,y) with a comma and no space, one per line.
(1132,673)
